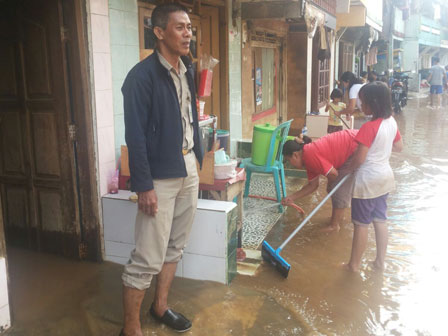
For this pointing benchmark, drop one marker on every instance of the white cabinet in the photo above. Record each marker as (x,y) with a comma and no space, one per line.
(211,250)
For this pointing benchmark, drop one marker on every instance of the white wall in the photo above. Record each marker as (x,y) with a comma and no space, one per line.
(101,84)
(309,67)
(235,107)
(5,318)
(411,61)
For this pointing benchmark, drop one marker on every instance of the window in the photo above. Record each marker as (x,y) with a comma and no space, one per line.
(324,82)
(320,75)
(264,79)
(147,40)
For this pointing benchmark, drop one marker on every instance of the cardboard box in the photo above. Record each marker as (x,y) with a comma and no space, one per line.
(124,165)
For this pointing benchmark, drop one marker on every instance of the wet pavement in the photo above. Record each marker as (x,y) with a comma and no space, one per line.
(53,296)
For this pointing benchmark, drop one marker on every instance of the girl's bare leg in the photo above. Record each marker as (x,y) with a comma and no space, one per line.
(360,235)
(337,215)
(381,237)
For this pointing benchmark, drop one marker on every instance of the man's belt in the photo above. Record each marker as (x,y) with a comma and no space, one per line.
(185,151)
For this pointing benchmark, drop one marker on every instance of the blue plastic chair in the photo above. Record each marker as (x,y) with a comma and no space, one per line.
(275,168)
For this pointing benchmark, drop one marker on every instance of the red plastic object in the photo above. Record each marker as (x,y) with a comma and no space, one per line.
(123,182)
(205,85)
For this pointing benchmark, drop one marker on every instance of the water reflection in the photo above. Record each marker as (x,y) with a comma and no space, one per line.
(318,298)
(409,297)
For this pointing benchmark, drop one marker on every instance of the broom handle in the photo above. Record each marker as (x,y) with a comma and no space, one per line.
(312,213)
(340,118)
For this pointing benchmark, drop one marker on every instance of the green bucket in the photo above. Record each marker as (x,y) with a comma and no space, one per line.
(260,144)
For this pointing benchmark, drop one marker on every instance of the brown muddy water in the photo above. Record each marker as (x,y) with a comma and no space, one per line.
(53,296)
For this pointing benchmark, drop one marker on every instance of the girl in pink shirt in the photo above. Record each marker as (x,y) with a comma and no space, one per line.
(373,177)
(328,156)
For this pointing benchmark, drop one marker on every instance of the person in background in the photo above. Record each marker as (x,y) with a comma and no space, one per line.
(162,135)
(335,107)
(329,156)
(363,76)
(436,77)
(445,82)
(353,85)
(373,176)
(373,76)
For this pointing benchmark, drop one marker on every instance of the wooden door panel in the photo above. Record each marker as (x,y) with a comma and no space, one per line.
(11,144)
(35,51)
(51,215)
(8,82)
(17,215)
(17,207)
(45,144)
(38,182)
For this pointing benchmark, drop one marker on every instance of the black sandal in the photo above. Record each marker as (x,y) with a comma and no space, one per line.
(172,319)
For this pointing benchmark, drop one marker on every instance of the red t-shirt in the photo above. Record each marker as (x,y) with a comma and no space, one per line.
(329,151)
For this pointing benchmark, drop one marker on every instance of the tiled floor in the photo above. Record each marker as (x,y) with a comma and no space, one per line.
(259,215)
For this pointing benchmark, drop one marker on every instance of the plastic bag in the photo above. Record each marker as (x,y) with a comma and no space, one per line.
(206,65)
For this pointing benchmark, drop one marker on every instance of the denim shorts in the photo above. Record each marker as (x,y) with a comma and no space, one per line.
(366,211)
(436,89)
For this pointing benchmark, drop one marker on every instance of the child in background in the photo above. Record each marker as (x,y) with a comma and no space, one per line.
(335,107)
(374,178)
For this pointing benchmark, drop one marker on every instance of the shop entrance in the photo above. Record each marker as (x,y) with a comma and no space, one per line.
(43,161)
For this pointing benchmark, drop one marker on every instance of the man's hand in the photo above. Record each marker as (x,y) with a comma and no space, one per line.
(147,202)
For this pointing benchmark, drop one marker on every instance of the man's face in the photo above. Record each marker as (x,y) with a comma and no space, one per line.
(177,35)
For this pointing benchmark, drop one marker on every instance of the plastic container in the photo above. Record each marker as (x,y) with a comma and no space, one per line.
(260,144)
(223,137)
(206,139)
(225,170)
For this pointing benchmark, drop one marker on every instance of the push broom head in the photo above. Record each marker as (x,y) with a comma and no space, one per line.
(271,256)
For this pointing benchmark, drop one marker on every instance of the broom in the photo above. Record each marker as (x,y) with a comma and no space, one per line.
(273,256)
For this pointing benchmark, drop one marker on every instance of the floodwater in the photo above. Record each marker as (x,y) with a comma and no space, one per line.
(53,296)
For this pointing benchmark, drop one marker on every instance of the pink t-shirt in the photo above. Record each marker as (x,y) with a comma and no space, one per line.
(374,177)
(329,151)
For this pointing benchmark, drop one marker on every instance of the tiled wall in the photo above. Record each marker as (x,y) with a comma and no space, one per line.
(236,121)
(98,17)
(124,47)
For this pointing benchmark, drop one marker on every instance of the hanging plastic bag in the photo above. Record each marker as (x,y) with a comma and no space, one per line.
(206,65)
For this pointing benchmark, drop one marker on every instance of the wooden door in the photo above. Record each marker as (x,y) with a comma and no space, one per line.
(210,44)
(37,165)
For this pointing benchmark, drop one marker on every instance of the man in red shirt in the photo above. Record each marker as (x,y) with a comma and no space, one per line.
(329,156)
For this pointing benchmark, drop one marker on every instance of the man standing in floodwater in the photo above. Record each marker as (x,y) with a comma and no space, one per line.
(436,78)
(162,136)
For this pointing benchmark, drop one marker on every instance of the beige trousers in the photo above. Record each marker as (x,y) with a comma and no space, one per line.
(162,238)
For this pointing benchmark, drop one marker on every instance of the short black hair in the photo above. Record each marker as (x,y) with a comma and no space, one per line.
(292,146)
(363,73)
(377,97)
(161,14)
(436,59)
(336,93)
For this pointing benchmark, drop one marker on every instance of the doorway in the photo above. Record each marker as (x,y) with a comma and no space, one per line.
(47,180)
